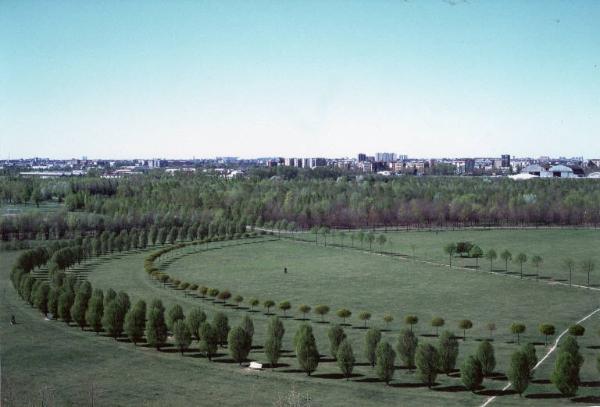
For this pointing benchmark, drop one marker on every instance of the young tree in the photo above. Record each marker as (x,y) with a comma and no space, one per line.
(547,330)
(517,329)
(175,314)
(506,256)
(238,299)
(372,339)
(272,348)
(437,323)
(381,239)
(387,318)
(448,352)
(569,264)
(385,357)
(588,265)
(491,255)
(370,238)
(407,347)
(411,320)
(519,372)
(304,309)
(537,262)
(239,344)
(182,335)
(135,322)
(322,310)
(209,340)
(284,306)
(194,320)
(345,358)
(53,296)
(41,298)
(520,260)
(450,250)
(79,308)
(529,351)
(486,357)
(65,302)
(336,335)
(268,304)
(427,361)
(95,311)
(113,319)
(253,303)
(306,350)
(576,330)
(156,328)
(248,326)
(343,313)
(471,373)
(465,324)
(476,253)
(566,374)
(364,316)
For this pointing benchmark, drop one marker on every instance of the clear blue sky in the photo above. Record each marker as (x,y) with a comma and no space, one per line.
(299,78)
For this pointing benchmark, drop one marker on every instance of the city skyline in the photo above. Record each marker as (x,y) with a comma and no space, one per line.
(261,79)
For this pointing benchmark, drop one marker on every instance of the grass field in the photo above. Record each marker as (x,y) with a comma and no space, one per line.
(17,209)
(316,274)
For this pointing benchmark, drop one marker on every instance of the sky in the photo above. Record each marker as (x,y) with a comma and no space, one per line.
(298,78)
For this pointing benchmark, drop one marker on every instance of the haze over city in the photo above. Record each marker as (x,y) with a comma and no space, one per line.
(303,78)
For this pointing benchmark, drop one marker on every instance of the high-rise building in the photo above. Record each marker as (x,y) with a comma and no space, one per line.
(362,157)
(385,157)
(505,160)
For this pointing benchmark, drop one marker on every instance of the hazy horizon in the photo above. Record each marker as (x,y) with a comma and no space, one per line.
(299,78)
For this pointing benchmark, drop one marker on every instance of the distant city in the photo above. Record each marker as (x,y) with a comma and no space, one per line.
(382,164)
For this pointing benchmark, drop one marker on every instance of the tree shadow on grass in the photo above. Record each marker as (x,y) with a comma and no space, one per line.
(545,396)
(590,384)
(277,365)
(368,380)
(334,376)
(322,322)
(595,347)
(497,376)
(325,359)
(291,371)
(361,328)
(362,364)
(587,399)
(455,388)
(541,381)
(496,392)
(408,385)
(429,335)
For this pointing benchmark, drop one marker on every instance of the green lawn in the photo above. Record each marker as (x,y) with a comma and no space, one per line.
(16,209)
(333,276)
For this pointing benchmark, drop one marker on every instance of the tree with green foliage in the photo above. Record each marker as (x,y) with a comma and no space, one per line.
(370,239)
(520,260)
(517,329)
(80,305)
(345,358)
(476,253)
(450,250)
(566,374)
(95,311)
(135,322)
(113,319)
(322,310)
(239,343)
(588,265)
(471,373)
(577,330)
(221,326)
(253,303)
(209,340)
(411,320)
(547,330)
(448,352)
(195,318)
(372,339)
(175,314)
(465,324)
(381,239)
(569,264)
(336,335)
(571,346)
(437,323)
(343,313)
(306,350)
(182,335)
(529,351)
(272,347)
(65,302)
(427,362)
(53,296)
(268,304)
(537,262)
(364,316)
(506,255)
(486,357)
(518,372)
(407,347)
(284,306)
(156,328)
(41,298)
(491,255)
(384,366)
(387,318)
(304,309)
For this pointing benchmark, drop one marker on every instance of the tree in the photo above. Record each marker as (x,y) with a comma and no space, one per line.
(156,328)
(135,322)
(517,329)
(41,298)
(53,296)
(576,330)
(547,330)
(569,264)
(427,361)
(506,256)
(113,319)
(268,304)
(95,311)
(345,358)
(183,337)
(306,350)
(79,307)
(253,303)
(364,316)
(385,357)
(529,351)
(248,326)
(370,238)
(486,357)
(387,318)
(175,314)
(566,374)
(437,323)
(450,250)
(448,352)
(221,326)
(304,309)
(284,306)
(519,373)
(272,348)
(476,253)
(65,302)
(381,239)
(239,344)
(464,325)
(208,340)
(238,299)
(407,347)
(491,255)
(322,310)
(571,347)
(520,260)
(588,265)
(411,320)
(372,339)
(537,262)
(471,373)
(194,320)
(343,313)
(336,335)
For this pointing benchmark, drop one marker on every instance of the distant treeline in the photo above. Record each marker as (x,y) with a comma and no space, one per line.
(92,205)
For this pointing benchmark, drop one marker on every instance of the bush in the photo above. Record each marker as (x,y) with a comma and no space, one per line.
(427,361)
(336,336)
(471,373)
(407,347)
(385,357)
(372,339)
(486,357)
(345,358)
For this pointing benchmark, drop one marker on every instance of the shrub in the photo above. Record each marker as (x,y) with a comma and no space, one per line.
(385,357)
(345,358)
(406,347)
(427,361)
(336,335)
